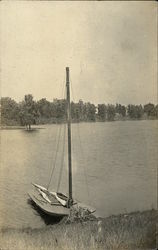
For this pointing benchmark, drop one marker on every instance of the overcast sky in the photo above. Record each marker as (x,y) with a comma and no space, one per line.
(110,48)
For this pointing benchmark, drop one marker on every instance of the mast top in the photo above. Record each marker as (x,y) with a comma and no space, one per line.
(67,76)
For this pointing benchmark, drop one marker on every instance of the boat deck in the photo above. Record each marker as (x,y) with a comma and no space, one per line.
(54,208)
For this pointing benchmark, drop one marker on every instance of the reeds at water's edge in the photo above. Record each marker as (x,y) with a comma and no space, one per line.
(128,231)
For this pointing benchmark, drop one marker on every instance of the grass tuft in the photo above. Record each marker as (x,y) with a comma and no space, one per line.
(128,231)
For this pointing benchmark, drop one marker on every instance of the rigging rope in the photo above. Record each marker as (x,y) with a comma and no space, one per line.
(54,165)
(84,168)
(63,151)
(81,149)
(58,142)
(52,154)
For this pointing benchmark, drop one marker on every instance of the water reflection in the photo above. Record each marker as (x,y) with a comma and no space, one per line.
(31,130)
(48,219)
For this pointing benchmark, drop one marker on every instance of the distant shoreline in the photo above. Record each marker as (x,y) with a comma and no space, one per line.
(43,111)
(36,126)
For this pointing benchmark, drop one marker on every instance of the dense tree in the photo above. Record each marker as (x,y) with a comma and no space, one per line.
(156,111)
(102,112)
(121,110)
(9,111)
(111,112)
(28,111)
(75,112)
(81,110)
(44,108)
(60,108)
(90,110)
(135,111)
(149,109)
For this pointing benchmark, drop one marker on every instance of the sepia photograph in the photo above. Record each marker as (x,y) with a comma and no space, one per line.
(79,125)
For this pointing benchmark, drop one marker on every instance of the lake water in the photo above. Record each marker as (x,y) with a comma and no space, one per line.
(114,168)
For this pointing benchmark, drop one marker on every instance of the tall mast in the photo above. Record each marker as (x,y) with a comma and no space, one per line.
(69,135)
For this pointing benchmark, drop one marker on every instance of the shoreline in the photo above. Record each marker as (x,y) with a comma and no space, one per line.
(36,126)
(136,230)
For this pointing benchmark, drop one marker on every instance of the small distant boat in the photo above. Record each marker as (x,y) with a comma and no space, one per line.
(50,202)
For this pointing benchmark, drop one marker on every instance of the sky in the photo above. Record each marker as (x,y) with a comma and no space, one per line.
(110,47)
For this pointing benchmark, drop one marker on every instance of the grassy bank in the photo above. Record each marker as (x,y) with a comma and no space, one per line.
(129,231)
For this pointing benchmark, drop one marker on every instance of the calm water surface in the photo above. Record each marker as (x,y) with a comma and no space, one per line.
(114,168)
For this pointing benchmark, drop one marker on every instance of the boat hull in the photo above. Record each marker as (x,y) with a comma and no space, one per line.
(55,209)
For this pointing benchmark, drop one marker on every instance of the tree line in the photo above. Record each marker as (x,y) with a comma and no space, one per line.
(29,111)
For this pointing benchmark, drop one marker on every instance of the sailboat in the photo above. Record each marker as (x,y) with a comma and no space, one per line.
(51,202)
